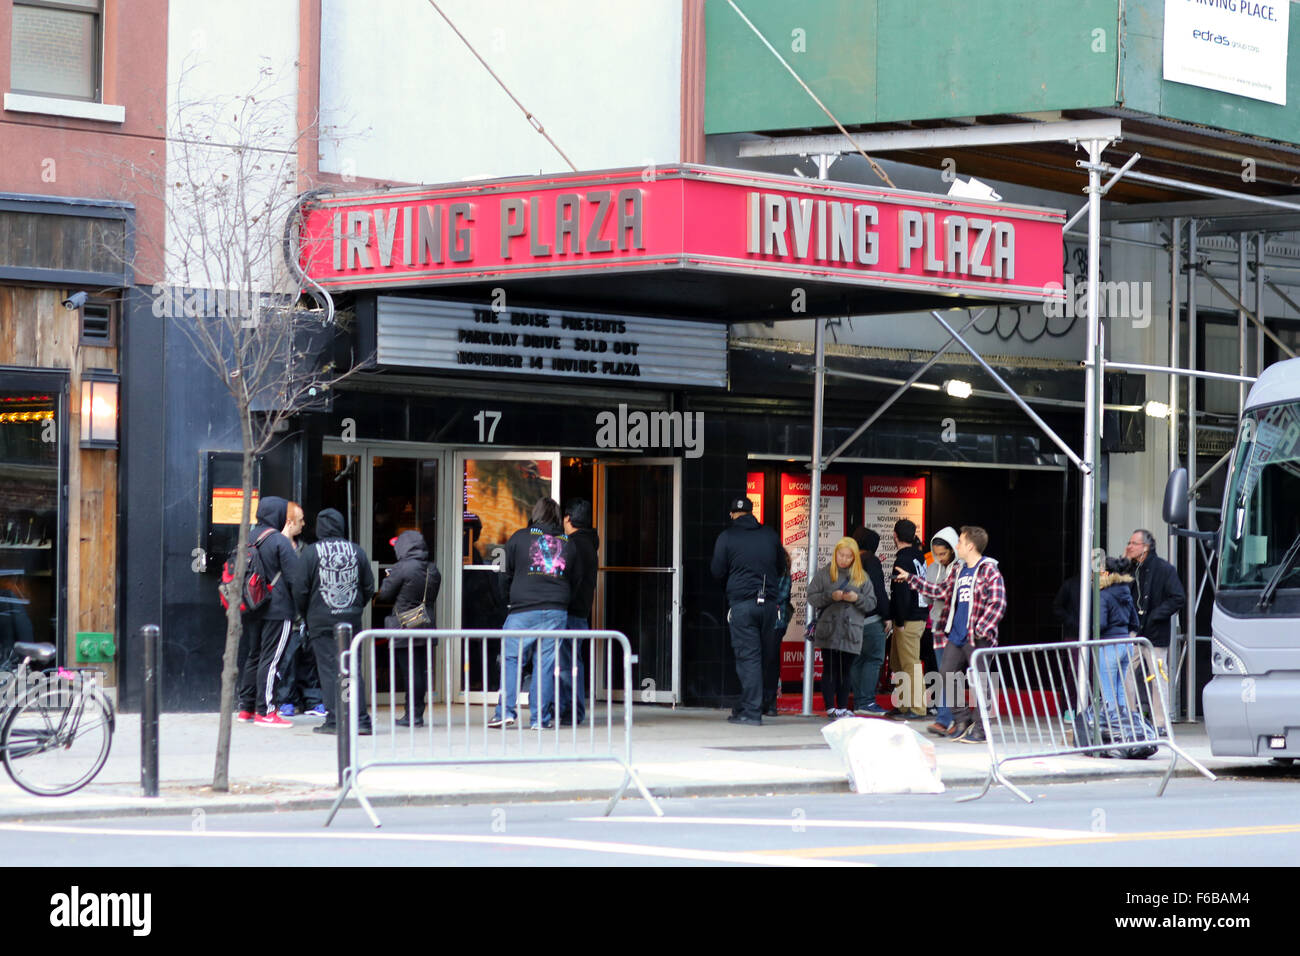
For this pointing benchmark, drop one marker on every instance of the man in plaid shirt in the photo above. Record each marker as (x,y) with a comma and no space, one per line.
(976,598)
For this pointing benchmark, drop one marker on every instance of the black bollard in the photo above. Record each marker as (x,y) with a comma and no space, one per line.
(150,706)
(343,635)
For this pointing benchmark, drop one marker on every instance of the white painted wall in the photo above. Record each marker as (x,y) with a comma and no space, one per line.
(217,55)
(411,103)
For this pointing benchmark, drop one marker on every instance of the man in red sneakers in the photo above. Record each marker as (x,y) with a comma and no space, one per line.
(976,599)
(266,630)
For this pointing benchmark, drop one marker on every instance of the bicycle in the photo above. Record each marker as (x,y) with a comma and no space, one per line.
(57,726)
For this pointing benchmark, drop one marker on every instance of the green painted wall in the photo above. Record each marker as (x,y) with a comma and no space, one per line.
(874,61)
(940,58)
(880,60)
(748,89)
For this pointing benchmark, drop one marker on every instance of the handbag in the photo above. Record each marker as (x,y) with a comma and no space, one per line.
(417,616)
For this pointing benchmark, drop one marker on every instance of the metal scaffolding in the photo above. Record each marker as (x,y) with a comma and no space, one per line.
(1185,260)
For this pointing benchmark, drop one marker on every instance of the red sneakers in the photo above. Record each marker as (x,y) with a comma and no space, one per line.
(271,720)
(245,716)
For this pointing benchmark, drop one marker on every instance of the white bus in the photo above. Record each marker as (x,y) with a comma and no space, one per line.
(1252,702)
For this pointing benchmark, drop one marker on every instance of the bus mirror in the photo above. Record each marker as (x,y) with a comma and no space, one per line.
(1175,507)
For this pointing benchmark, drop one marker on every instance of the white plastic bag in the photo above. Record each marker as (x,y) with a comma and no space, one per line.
(884,757)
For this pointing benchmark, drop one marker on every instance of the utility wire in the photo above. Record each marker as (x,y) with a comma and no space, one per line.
(533,121)
(879,172)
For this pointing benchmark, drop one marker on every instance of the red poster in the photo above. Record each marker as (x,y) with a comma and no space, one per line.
(795,505)
(754,491)
(887,500)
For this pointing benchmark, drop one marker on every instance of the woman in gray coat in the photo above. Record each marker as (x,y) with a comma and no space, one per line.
(843,598)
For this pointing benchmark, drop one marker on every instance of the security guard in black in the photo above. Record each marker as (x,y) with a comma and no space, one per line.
(749,559)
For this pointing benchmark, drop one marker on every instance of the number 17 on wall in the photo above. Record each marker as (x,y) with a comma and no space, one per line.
(486,432)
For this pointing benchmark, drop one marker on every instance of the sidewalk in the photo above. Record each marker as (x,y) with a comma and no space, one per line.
(678,752)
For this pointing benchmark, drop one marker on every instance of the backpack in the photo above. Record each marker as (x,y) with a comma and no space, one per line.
(257,590)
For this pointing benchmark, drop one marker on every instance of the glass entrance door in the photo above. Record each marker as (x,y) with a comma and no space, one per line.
(640,572)
(382,491)
(497,491)
(32,466)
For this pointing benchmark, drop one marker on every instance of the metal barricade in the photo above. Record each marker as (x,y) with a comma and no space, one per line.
(456,734)
(1101,698)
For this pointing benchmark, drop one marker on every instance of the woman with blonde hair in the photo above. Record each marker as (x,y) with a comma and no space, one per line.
(843,598)
(1119,618)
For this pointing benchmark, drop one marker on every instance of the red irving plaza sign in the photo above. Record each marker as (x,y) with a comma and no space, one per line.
(686,218)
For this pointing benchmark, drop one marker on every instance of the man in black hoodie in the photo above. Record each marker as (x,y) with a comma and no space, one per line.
(266,631)
(582,591)
(748,557)
(535,576)
(333,586)
(909,611)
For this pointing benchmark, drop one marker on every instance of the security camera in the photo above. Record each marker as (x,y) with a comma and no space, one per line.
(75,301)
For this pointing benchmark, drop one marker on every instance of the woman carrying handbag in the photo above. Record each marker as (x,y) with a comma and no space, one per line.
(412,585)
(843,598)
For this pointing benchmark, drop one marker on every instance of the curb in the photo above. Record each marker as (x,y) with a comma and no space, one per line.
(323,802)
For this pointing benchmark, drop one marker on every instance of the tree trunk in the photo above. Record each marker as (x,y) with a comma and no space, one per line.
(234,622)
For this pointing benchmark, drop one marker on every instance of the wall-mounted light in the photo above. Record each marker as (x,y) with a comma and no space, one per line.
(1156,409)
(956,388)
(99,389)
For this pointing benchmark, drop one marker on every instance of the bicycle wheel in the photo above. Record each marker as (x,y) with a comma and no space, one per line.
(57,738)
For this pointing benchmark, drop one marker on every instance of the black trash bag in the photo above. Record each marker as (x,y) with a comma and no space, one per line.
(1126,729)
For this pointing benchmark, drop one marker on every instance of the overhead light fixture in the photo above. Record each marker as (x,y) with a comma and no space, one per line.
(1156,409)
(957,388)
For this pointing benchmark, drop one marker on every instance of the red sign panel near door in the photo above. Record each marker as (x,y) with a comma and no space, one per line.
(886,501)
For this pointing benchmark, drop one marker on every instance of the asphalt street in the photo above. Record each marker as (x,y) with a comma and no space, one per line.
(1242,821)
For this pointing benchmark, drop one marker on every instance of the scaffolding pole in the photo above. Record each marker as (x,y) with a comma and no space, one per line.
(1090,506)
(814,503)
(1189,633)
(1175,265)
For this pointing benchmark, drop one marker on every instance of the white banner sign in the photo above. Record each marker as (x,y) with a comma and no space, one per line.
(1234,46)
(460,336)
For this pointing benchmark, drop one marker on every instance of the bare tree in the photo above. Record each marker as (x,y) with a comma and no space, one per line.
(231,194)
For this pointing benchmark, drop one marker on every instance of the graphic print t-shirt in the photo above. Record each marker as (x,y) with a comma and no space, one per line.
(546,555)
(962,595)
(339,573)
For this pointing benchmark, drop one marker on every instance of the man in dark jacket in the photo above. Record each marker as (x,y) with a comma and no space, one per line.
(582,591)
(909,611)
(748,557)
(333,586)
(266,631)
(412,581)
(535,575)
(1156,589)
(1159,595)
